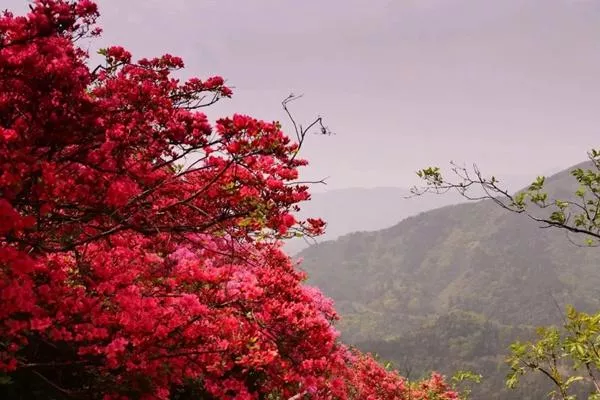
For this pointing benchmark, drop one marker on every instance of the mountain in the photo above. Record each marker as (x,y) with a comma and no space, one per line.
(491,274)
(362,209)
(370,209)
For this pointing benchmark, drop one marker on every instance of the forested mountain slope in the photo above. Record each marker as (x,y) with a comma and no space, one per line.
(397,287)
(369,209)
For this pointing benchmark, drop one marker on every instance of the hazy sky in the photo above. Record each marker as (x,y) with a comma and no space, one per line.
(513,85)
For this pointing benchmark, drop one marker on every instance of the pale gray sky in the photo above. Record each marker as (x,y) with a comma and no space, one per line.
(513,85)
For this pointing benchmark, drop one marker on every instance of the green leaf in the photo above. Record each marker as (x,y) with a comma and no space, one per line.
(573,379)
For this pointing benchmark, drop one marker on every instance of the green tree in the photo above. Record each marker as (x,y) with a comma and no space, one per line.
(565,356)
(568,356)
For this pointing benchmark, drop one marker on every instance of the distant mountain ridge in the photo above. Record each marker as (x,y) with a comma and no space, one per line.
(361,209)
(471,259)
(369,209)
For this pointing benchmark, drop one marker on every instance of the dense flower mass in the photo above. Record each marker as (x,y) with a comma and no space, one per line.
(140,245)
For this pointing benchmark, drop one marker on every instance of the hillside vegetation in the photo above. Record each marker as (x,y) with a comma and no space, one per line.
(453,287)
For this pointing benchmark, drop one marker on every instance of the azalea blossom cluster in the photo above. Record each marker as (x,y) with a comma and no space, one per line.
(140,244)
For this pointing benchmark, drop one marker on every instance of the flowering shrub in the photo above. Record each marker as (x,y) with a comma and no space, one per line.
(140,245)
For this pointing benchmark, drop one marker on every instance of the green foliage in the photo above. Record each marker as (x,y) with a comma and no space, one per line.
(451,288)
(566,357)
(579,212)
(460,342)
(462,380)
(5,379)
